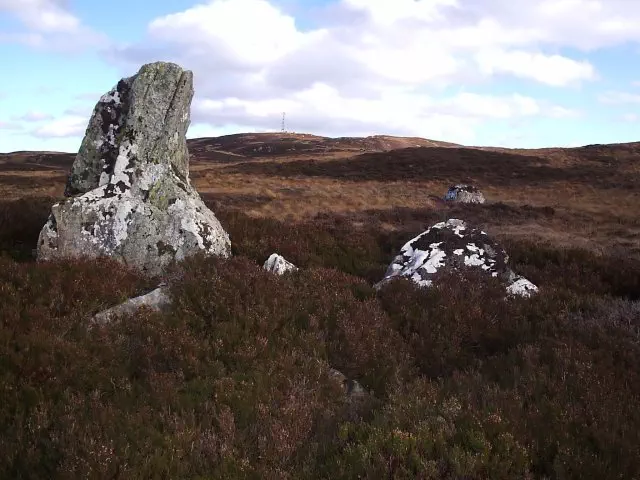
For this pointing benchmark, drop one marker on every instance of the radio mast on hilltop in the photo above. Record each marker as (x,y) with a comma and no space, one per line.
(282,129)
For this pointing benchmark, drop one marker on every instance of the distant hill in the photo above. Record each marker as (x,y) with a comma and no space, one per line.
(230,147)
(243,147)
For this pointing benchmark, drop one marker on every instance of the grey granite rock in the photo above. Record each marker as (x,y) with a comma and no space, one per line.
(156,300)
(129,191)
(278,264)
(454,244)
(464,194)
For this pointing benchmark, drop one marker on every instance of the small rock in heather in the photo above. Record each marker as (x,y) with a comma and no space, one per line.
(156,300)
(278,264)
(464,194)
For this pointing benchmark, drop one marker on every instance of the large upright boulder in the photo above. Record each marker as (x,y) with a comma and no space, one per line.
(454,244)
(129,191)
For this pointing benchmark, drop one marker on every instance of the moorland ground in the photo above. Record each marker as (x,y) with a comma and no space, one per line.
(232,382)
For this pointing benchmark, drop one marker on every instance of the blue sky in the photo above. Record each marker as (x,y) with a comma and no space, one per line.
(477,72)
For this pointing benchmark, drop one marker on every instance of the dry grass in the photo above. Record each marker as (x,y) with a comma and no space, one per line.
(589,188)
(303,198)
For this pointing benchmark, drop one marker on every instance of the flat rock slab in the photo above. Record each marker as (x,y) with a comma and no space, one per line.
(156,300)
(130,197)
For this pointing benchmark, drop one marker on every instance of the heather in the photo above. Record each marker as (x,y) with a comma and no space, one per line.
(233,381)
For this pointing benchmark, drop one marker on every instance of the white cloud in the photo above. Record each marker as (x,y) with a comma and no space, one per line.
(322,109)
(631,117)
(557,111)
(215,26)
(42,15)
(33,116)
(372,66)
(486,106)
(49,25)
(582,24)
(552,70)
(619,98)
(64,126)
(10,125)
(388,13)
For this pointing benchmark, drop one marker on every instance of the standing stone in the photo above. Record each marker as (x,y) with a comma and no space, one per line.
(464,194)
(129,191)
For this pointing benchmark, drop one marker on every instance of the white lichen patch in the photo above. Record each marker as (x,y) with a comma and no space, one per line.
(114,216)
(188,222)
(118,225)
(418,261)
(151,175)
(474,260)
(89,234)
(121,171)
(48,234)
(110,136)
(458,229)
(111,96)
(474,248)
(421,282)
(104,178)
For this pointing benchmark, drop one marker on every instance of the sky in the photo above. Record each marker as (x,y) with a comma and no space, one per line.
(478,72)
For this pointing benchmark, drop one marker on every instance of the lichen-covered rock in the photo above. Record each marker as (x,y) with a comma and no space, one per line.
(464,194)
(156,300)
(454,244)
(278,264)
(131,197)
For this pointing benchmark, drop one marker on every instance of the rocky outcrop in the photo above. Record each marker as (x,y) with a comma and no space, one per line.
(278,264)
(454,244)
(157,300)
(129,188)
(464,194)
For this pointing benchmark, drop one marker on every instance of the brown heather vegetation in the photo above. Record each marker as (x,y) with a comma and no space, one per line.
(232,382)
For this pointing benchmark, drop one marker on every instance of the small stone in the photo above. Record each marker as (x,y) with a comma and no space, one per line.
(464,194)
(278,264)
